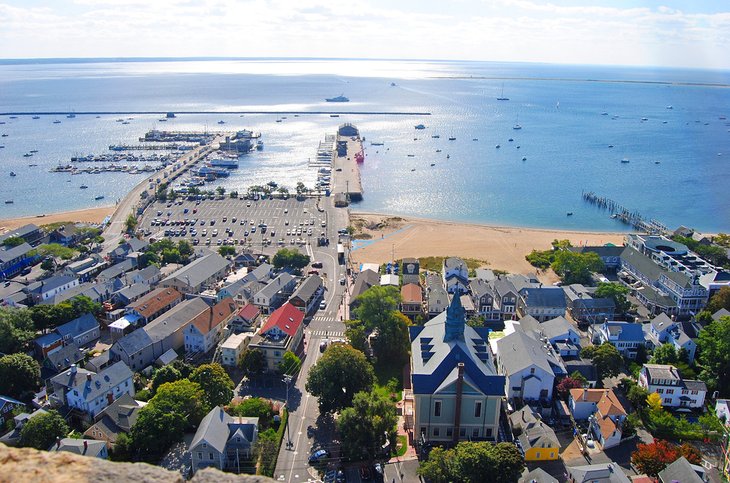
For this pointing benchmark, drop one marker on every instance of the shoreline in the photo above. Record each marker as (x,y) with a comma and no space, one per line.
(86,215)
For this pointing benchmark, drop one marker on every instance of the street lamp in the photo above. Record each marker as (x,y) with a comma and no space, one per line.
(287,380)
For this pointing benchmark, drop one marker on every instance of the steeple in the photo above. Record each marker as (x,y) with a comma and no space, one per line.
(455,319)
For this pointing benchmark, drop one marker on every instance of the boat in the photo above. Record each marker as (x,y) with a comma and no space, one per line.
(415,139)
(2,146)
(4,135)
(392,84)
(259,145)
(83,186)
(570,213)
(438,150)
(9,202)
(433,164)
(452,138)
(334,115)
(32,165)
(278,120)
(56,122)
(517,126)
(33,151)
(224,163)
(376,144)
(100,197)
(13,117)
(71,115)
(221,122)
(27,155)
(625,160)
(644,119)
(413,169)
(340,98)
(410,155)
(162,120)
(604,114)
(36,117)
(610,145)
(497,146)
(524,158)
(501,96)
(670,107)
(419,126)
(125,122)
(12,173)
(657,162)
(448,156)
(475,139)
(510,139)
(435,136)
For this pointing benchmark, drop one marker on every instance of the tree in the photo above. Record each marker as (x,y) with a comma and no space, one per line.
(576,267)
(392,343)
(289,363)
(215,383)
(664,354)
(226,251)
(378,312)
(606,358)
(82,304)
(338,375)
(714,354)
(637,395)
(654,457)
(579,377)
(55,250)
(220,190)
(19,375)
(367,425)
(155,430)
(252,361)
(41,431)
(472,461)
(163,375)
(565,385)
(376,305)
(616,292)
(13,241)
(290,257)
(184,397)
(16,330)
(254,407)
(185,249)
(654,402)
(130,224)
(721,300)
(355,333)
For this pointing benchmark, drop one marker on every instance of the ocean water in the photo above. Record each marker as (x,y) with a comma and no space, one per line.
(564,136)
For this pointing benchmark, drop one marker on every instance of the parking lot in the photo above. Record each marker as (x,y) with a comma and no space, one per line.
(256,224)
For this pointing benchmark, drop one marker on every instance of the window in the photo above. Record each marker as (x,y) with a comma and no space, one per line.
(670,391)
(462,432)
(423,430)
(552,454)
(660,391)
(436,431)
(537,455)
(449,432)
(694,393)
(200,455)
(478,409)
(488,433)
(532,370)
(437,409)
(667,400)
(475,433)
(211,455)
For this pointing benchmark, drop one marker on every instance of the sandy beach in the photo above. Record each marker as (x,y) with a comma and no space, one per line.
(90,215)
(503,248)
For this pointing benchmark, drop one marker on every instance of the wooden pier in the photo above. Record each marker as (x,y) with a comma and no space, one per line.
(629,217)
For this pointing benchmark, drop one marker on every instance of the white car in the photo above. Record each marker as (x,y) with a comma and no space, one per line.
(322,305)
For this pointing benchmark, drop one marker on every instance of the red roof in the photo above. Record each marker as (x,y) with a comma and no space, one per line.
(249,312)
(287,318)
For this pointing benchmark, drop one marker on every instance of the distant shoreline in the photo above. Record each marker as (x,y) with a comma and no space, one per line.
(88,215)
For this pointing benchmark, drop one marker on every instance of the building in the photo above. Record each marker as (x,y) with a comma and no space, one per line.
(530,368)
(722,410)
(389,279)
(585,308)
(456,388)
(205,331)
(610,254)
(537,439)
(604,412)
(558,332)
(60,384)
(411,301)
(282,332)
(232,348)
(154,304)
(625,336)
(675,391)
(224,442)
(81,332)
(198,275)
(437,299)
(410,271)
(142,347)
(506,297)
(598,473)
(14,259)
(12,438)
(83,447)
(46,344)
(30,233)
(275,293)
(115,419)
(364,280)
(7,406)
(246,319)
(50,287)
(663,330)
(117,270)
(538,475)
(59,360)
(542,303)
(482,294)
(243,289)
(125,249)
(455,275)
(683,471)
(307,296)
(97,391)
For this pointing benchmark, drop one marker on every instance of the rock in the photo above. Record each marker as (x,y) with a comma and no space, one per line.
(30,465)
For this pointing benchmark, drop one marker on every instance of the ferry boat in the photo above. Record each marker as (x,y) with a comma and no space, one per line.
(224,163)
(340,98)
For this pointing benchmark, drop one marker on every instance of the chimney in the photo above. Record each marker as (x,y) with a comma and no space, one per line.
(73,369)
(110,398)
(88,377)
(457,409)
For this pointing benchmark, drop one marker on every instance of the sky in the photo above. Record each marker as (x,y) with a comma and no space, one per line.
(694,34)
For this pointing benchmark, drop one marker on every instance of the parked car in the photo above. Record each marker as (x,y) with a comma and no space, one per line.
(318,456)
(322,305)
(317,265)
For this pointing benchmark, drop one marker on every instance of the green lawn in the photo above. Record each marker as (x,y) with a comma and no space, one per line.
(402,445)
(383,374)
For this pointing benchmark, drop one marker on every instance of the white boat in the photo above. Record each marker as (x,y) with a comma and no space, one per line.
(517,126)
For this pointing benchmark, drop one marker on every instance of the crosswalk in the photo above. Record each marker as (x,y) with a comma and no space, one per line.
(322,318)
(328,333)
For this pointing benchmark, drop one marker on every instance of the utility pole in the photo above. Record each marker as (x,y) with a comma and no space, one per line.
(287,379)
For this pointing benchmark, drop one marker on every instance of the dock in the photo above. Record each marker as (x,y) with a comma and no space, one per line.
(629,217)
(348,153)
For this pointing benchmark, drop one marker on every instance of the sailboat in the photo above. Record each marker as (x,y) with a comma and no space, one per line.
(501,96)
(517,124)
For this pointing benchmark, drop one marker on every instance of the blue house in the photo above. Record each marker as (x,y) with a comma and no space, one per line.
(625,336)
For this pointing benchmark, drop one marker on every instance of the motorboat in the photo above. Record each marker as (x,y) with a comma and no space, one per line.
(83,186)
(12,174)
(419,126)
(340,98)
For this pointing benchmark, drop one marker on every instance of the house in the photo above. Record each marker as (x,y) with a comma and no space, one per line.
(457,391)
(584,367)
(306,297)
(206,330)
(505,296)
(115,419)
(83,447)
(154,304)
(437,299)
(598,473)
(364,280)
(130,293)
(663,330)
(232,348)
(99,390)
(610,254)
(97,292)
(542,303)
(48,288)
(224,442)
(46,344)
(96,364)
(538,440)
(538,475)
(69,234)
(720,313)
(455,275)
(282,332)
(558,331)
(624,336)
(244,259)
(529,366)
(7,406)
(275,293)
(196,276)
(410,272)
(144,346)
(675,391)
(149,275)
(683,471)
(585,308)
(30,233)
(59,360)
(242,290)
(389,279)
(245,319)
(82,331)
(60,384)
(14,259)
(116,271)
(603,411)
(411,300)
(85,269)
(130,246)
(722,410)
(12,438)
(482,293)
